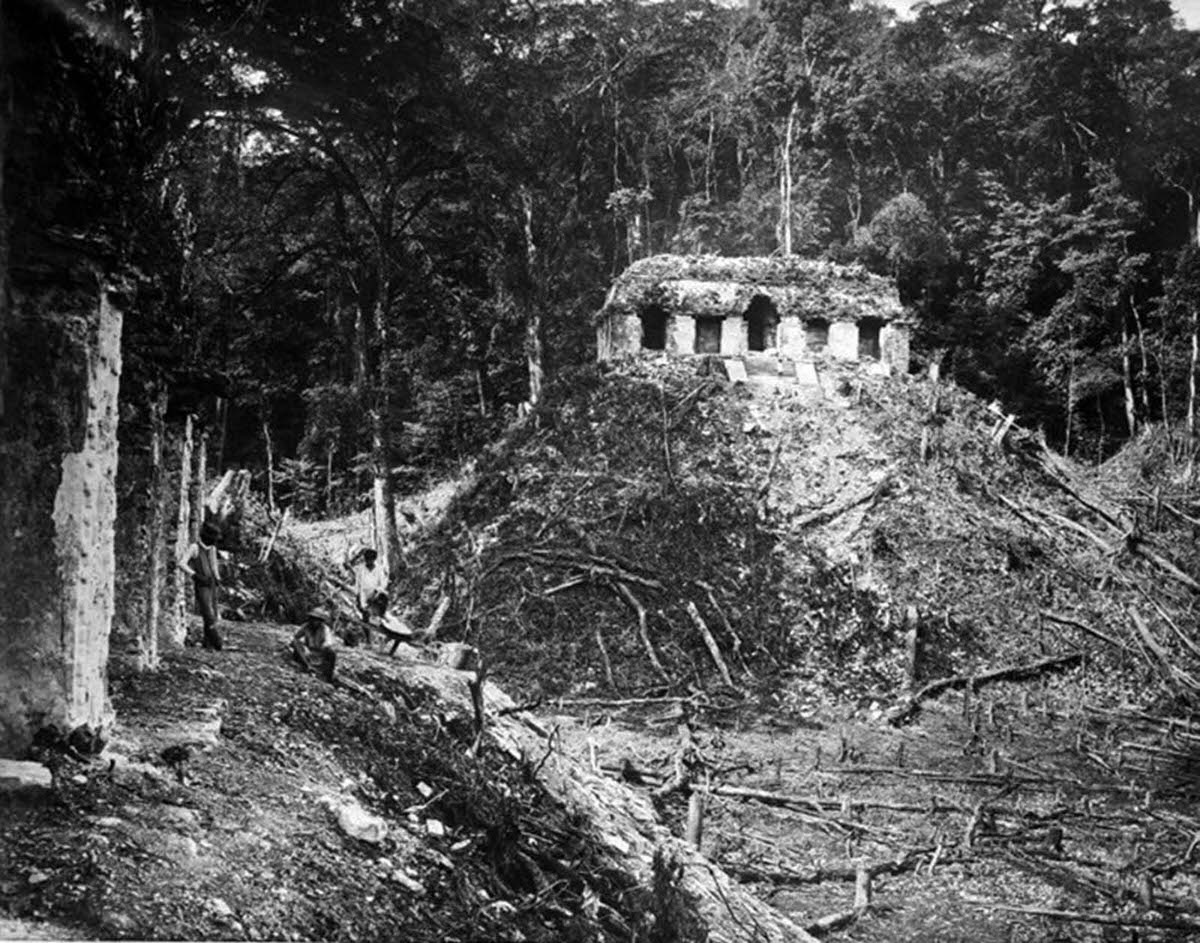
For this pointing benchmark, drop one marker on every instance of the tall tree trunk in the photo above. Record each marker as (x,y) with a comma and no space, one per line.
(266,430)
(533,325)
(381,447)
(854,202)
(222,432)
(387,536)
(479,390)
(1145,384)
(1127,379)
(1194,223)
(1191,407)
(786,183)
(1193,216)
(1070,406)
(147,654)
(175,628)
(329,449)
(710,157)
(1161,358)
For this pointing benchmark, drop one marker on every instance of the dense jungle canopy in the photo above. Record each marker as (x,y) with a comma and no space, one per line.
(345,230)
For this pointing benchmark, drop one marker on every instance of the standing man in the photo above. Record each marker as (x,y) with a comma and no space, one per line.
(201,563)
(370,585)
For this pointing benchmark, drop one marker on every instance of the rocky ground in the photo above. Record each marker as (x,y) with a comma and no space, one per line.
(297,810)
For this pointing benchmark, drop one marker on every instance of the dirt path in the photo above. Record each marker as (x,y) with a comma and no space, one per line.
(242,799)
(244,844)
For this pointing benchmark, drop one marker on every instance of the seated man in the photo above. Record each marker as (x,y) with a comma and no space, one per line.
(313,643)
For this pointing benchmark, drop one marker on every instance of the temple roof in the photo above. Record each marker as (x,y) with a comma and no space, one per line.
(720,286)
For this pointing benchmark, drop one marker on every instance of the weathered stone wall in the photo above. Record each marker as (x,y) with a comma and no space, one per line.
(894,344)
(57,520)
(618,335)
(843,340)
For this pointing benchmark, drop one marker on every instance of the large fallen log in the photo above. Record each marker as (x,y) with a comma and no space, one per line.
(909,707)
(622,820)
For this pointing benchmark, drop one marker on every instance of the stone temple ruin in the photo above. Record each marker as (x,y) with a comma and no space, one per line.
(790,310)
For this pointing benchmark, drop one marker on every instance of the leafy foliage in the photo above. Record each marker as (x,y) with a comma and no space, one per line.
(349,220)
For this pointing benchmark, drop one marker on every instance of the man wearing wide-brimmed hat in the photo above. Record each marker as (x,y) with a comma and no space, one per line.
(202,563)
(312,645)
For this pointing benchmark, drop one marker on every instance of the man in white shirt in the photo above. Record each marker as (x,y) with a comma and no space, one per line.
(370,586)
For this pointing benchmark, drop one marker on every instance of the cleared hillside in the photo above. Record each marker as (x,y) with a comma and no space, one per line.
(1029,775)
(801,530)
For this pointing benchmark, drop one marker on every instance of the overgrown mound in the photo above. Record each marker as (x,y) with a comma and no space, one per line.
(655,527)
(628,504)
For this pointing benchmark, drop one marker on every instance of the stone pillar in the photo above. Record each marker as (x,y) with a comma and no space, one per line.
(791,339)
(681,334)
(627,340)
(894,347)
(735,337)
(843,340)
(57,555)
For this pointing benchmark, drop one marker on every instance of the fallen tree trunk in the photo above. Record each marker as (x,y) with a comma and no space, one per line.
(910,706)
(1177,679)
(635,604)
(622,820)
(710,642)
(910,861)
(1083,627)
(1143,550)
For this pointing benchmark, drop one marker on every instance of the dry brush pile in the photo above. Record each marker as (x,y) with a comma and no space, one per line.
(655,529)
(619,539)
